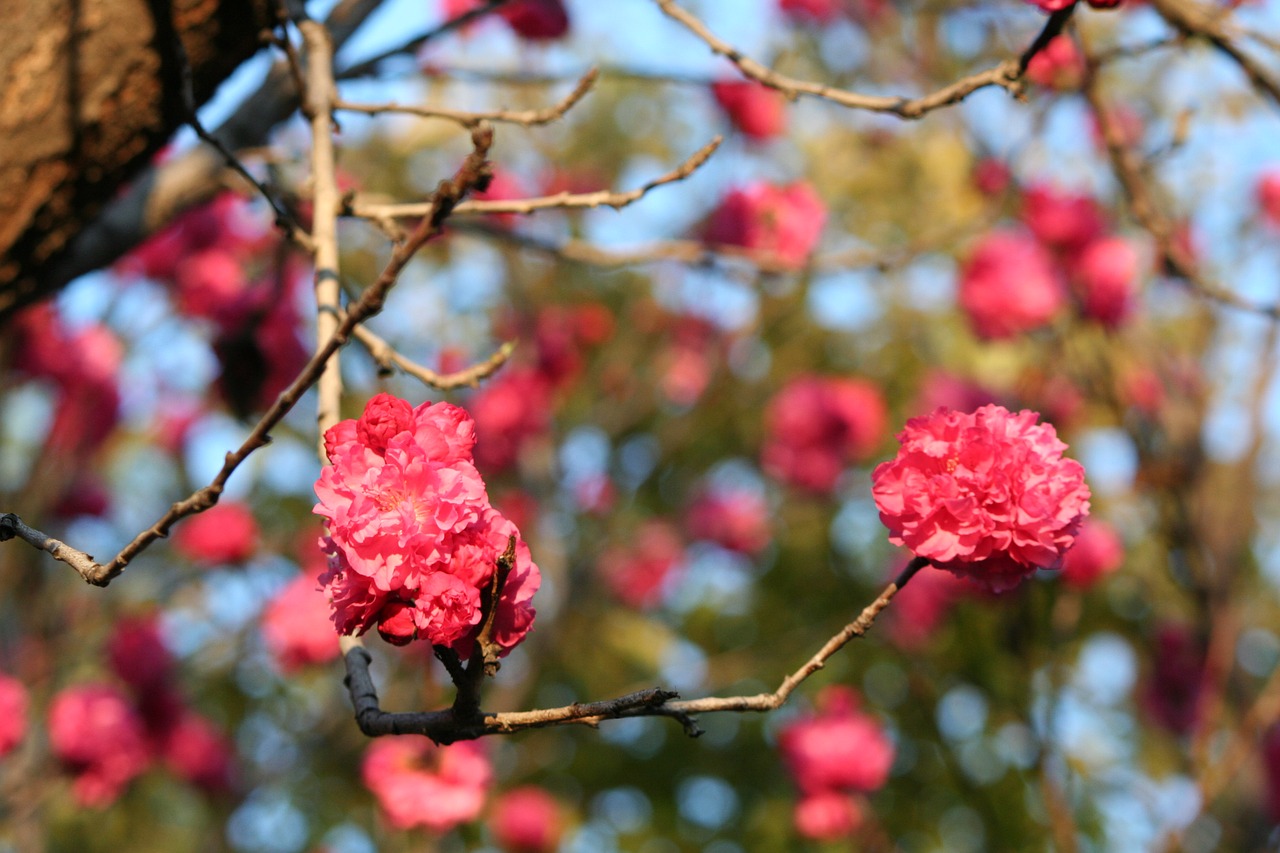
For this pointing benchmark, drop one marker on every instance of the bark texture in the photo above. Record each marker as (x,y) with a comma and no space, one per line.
(92,89)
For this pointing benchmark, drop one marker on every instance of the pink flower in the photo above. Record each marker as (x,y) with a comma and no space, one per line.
(1269,195)
(13,713)
(737,519)
(139,656)
(1173,691)
(991,177)
(820,11)
(1008,286)
(510,412)
(420,784)
(1059,65)
(942,389)
(224,533)
(98,736)
(638,571)
(211,283)
(1098,551)
(838,749)
(297,627)
(755,109)
(816,425)
(196,751)
(413,540)
(986,495)
(785,222)
(1061,220)
(537,20)
(827,816)
(1105,277)
(503,186)
(527,820)
(262,353)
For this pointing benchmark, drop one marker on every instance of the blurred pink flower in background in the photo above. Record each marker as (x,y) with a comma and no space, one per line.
(816,425)
(638,570)
(1008,285)
(1059,65)
(510,410)
(1173,689)
(1105,277)
(13,713)
(527,820)
(297,627)
(1098,551)
(783,221)
(1061,220)
(224,533)
(195,750)
(737,519)
(827,816)
(98,736)
(753,108)
(417,783)
(1269,195)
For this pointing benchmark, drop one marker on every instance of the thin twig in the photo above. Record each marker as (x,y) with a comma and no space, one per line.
(1193,19)
(1007,75)
(527,118)
(447,726)
(559,201)
(473,173)
(370,65)
(388,359)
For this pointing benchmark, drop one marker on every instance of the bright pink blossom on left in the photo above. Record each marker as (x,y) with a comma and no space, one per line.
(412,539)
(418,783)
(986,495)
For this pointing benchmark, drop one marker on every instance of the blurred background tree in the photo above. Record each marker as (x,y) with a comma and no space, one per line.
(703,380)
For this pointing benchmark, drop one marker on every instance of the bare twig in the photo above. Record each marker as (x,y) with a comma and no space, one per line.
(388,359)
(473,173)
(527,118)
(1007,75)
(370,65)
(1193,19)
(447,726)
(559,201)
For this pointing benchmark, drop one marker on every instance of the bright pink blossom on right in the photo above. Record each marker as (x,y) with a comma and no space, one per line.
(1098,552)
(13,713)
(224,533)
(838,749)
(987,495)
(98,736)
(755,109)
(816,425)
(1008,286)
(420,784)
(783,221)
(527,820)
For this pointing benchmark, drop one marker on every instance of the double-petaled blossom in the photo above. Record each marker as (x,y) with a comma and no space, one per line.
(986,495)
(420,784)
(816,425)
(413,542)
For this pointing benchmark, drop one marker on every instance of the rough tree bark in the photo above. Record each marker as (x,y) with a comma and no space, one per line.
(92,89)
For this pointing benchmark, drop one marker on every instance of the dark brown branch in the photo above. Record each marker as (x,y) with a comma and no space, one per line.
(449,726)
(474,173)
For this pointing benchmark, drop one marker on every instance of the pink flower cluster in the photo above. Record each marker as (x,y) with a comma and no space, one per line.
(224,533)
(986,495)
(832,755)
(753,108)
(420,784)
(412,539)
(783,221)
(297,627)
(106,736)
(815,425)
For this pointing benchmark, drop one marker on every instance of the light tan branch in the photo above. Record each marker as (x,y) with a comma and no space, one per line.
(448,726)
(559,201)
(1007,75)
(527,118)
(388,359)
